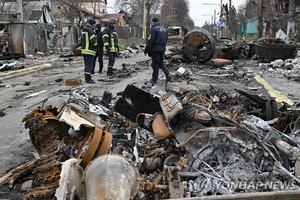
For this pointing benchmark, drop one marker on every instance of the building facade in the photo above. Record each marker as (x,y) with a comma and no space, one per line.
(286,16)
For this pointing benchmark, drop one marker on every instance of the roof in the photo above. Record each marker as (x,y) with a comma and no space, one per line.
(32,11)
(89,1)
(117,16)
(90,13)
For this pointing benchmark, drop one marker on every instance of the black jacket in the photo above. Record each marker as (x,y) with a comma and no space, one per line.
(157,39)
(110,39)
(99,40)
(88,41)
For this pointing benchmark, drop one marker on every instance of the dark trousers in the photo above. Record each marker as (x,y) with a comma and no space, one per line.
(100,60)
(89,65)
(158,62)
(111,62)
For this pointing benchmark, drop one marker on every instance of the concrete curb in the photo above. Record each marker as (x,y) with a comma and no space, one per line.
(24,71)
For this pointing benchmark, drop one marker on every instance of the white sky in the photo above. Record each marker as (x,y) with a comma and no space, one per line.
(199,12)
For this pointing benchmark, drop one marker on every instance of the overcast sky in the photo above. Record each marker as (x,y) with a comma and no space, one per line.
(199,12)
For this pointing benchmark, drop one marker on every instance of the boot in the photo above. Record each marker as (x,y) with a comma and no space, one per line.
(109,70)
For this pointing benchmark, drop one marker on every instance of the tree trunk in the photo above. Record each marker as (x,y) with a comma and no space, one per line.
(260,19)
(148,8)
(229,19)
(298,30)
(291,29)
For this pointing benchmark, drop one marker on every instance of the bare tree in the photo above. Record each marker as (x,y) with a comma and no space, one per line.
(150,4)
(136,9)
(252,10)
(96,4)
(173,12)
(2,2)
(71,9)
(176,14)
(1,5)
(292,20)
(241,14)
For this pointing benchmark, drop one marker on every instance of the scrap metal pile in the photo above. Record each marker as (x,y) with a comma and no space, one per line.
(153,143)
(274,49)
(199,46)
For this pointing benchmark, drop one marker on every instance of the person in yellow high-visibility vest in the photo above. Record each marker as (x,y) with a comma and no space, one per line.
(110,45)
(89,48)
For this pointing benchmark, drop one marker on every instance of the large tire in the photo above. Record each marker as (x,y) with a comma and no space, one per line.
(198,46)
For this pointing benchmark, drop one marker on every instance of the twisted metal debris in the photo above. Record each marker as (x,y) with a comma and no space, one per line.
(163,145)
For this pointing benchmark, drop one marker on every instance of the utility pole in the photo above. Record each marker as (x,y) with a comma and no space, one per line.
(215,15)
(145,21)
(229,20)
(20,10)
(261,19)
(216,32)
(215,29)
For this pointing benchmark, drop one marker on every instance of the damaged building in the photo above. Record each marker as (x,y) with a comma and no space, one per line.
(69,17)
(271,16)
(20,22)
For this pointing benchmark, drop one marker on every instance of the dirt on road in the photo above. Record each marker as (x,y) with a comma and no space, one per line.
(49,87)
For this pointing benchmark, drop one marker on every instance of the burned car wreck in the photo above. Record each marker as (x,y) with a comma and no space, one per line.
(157,143)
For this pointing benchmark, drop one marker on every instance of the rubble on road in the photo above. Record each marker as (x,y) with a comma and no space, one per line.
(165,141)
(4,66)
(288,68)
(153,142)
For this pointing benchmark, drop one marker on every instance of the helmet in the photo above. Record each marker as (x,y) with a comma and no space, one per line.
(112,21)
(91,21)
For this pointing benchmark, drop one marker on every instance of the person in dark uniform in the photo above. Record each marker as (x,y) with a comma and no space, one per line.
(111,45)
(155,48)
(99,54)
(89,48)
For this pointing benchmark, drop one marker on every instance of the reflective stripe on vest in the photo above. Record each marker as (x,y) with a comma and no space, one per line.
(112,41)
(92,38)
(86,50)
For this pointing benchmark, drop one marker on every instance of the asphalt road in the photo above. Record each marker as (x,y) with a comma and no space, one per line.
(16,102)
(16,88)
